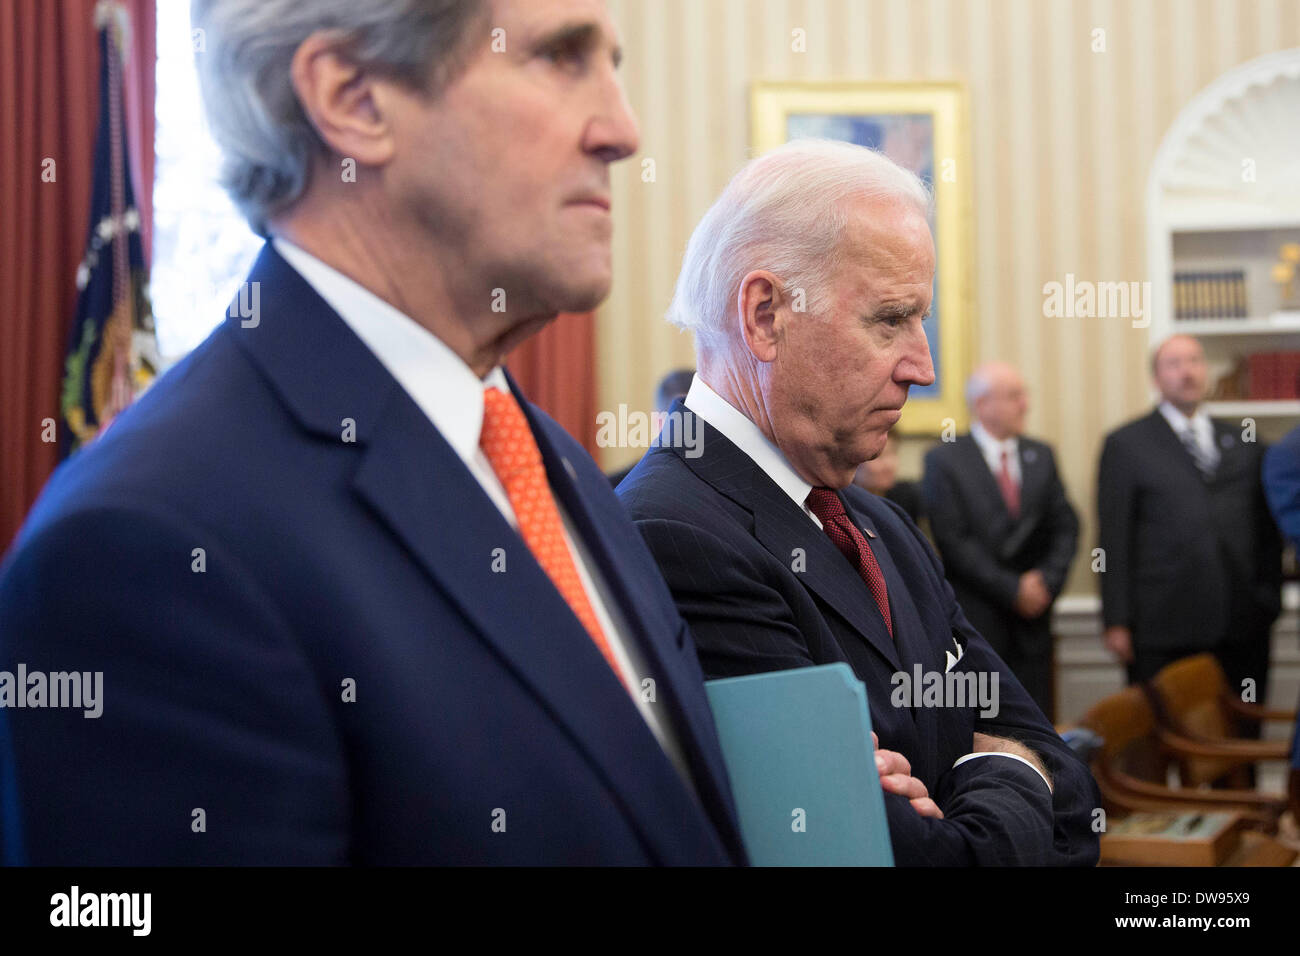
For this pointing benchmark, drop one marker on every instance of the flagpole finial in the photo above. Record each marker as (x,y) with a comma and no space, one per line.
(112,14)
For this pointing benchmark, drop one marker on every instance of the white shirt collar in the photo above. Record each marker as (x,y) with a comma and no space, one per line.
(436,378)
(748,437)
(1200,423)
(991,447)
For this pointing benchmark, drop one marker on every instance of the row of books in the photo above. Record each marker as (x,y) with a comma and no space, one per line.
(1273,375)
(1210,295)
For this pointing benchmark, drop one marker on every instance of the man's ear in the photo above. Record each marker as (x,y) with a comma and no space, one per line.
(340,100)
(759,305)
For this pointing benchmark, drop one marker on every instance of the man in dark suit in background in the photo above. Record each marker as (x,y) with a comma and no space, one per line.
(1004,527)
(1193,559)
(1281,476)
(353,599)
(777,561)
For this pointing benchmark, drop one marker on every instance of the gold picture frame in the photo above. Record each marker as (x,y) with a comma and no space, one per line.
(918,125)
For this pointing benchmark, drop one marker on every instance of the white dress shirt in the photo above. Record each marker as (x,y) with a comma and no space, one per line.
(1200,424)
(451,396)
(749,438)
(992,450)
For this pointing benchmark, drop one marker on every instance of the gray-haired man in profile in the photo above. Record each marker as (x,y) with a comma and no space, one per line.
(354,599)
(806,284)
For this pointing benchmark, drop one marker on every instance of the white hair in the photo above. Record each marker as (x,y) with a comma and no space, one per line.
(786,212)
(243,49)
(977,386)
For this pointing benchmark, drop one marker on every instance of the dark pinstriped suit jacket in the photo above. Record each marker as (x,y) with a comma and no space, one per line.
(729,541)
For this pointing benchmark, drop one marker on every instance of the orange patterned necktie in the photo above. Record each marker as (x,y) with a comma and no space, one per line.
(509,445)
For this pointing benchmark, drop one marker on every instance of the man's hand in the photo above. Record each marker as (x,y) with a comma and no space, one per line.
(1119,641)
(986,743)
(1032,597)
(896,777)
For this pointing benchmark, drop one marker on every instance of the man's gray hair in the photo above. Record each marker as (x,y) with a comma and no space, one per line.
(785,212)
(244,53)
(977,386)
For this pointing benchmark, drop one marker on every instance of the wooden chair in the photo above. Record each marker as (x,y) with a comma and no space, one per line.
(1130,779)
(1198,716)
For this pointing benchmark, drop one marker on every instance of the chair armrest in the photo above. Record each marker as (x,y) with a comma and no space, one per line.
(1257,712)
(1218,799)
(1245,750)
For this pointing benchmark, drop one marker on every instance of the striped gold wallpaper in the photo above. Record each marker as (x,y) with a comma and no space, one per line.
(1062,139)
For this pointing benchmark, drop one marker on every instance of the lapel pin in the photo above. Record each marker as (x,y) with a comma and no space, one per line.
(568,466)
(870,533)
(1030,455)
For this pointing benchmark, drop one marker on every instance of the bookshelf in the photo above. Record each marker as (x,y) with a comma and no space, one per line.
(1223,202)
(1279,324)
(1259,409)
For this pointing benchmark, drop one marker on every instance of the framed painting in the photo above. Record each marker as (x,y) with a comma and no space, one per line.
(923,127)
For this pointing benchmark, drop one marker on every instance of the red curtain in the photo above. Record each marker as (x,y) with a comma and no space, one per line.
(49,89)
(557,371)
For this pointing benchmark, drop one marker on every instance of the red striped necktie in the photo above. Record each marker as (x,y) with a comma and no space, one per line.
(846,536)
(1007,484)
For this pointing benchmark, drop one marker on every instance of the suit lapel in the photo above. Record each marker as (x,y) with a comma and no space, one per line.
(429,500)
(1171,445)
(413,482)
(910,641)
(914,648)
(1227,441)
(1007,532)
(973,462)
(1033,474)
(783,528)
(681,690)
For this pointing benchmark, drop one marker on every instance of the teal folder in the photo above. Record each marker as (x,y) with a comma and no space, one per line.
(797,745)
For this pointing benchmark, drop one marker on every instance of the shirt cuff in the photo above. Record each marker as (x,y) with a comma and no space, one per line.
(998,753)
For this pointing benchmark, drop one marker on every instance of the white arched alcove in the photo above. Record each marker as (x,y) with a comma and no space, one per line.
(1224,191)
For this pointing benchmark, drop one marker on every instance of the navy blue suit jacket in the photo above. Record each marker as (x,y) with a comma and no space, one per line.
(764,589)
(486,727)
(1281,478)
(1282,487)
